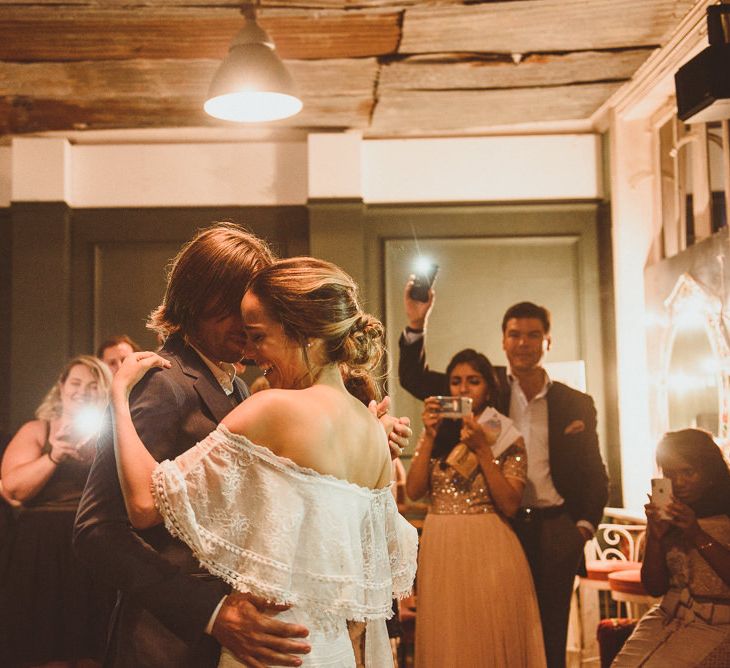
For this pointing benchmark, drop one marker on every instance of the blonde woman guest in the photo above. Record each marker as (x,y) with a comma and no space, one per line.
(51,609)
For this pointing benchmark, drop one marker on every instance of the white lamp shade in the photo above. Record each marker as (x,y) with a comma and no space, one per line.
(252,84)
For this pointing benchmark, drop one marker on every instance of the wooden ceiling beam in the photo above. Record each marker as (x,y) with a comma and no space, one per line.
(533,26)
(313,5)
(186,79)
(464,71)
(20,115)
(29,34)
(414,113)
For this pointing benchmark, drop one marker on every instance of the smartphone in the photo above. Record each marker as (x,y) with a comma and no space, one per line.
(454,407)
(422,282)
(661,495)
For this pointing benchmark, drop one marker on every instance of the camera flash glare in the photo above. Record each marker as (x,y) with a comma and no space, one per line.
(422,265)
(88,420)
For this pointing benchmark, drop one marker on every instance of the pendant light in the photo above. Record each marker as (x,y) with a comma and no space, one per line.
(252,84)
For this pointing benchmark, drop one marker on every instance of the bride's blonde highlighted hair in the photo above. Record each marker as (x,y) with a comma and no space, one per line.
(315,299)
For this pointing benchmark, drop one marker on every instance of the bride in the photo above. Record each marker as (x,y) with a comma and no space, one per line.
(289,498)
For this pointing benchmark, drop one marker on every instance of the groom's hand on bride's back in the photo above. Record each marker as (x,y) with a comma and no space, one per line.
(246,626)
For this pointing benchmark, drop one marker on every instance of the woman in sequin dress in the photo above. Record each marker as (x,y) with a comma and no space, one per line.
(476,601)
(686,561)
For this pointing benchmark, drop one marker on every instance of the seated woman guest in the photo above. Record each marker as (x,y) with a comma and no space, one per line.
(49,608)
(687,561)
(476,601)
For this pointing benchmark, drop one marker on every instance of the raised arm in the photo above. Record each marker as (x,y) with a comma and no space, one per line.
(135,464)
(654,571)
(414,374)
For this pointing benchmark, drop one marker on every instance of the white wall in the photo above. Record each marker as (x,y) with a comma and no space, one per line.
(482,169)
(322,166)
(630,116)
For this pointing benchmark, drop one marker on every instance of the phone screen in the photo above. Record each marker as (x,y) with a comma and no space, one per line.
(422,282)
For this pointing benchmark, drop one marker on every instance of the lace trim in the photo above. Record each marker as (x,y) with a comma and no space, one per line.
(327,598)
(289,466)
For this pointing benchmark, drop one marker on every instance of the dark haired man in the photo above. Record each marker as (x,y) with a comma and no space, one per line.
(567,485)
(113,350)
(169,614)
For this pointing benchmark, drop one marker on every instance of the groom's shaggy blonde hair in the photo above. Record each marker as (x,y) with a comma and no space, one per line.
(208,277)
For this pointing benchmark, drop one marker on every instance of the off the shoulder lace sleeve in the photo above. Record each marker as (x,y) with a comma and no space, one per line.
(289,534)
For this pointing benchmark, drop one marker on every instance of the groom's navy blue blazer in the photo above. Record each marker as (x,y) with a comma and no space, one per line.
(165,601)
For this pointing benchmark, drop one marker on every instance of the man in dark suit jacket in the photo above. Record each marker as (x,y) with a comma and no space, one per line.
(567,485)
(170,614)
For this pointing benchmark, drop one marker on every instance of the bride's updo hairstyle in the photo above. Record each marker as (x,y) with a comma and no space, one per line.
(315,299)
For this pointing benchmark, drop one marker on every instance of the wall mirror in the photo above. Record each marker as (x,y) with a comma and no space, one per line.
(696,361)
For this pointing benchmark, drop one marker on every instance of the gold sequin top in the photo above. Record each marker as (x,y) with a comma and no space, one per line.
(451,494)
(688,568)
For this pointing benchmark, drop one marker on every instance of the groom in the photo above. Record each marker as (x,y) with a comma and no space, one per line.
(169,613)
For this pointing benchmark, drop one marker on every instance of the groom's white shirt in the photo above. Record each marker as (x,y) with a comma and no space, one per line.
(224,373)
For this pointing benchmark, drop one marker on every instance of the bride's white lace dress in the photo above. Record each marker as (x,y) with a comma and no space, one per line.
(333,550)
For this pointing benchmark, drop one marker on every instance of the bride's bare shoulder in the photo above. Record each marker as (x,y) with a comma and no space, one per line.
(262,416)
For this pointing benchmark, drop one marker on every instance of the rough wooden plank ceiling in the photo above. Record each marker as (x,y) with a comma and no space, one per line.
(389,68)
(94,33)
(472,111)
(540,25)
(115,94)
(35,115)
(463,71)
(167,78)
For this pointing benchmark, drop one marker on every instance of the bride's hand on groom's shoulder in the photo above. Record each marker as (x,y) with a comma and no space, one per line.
(398,429)
(246,626)
(133,368)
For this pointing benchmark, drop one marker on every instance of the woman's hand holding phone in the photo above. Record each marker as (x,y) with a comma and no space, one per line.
(475,437)
(431,415)
(655,525)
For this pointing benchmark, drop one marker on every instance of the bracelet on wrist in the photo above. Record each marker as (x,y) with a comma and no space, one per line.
(706,545)
(414,330)
(52,459)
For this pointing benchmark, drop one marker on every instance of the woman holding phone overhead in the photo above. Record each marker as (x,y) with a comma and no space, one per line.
(687,560)
(476,602)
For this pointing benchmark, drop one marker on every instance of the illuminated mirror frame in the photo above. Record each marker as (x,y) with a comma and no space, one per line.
(690,300)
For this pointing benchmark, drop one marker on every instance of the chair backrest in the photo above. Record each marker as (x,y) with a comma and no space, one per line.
(617,541)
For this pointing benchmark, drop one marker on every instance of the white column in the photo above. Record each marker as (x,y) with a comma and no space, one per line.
(335,165)
(6,175)
(631,197)
(41,170)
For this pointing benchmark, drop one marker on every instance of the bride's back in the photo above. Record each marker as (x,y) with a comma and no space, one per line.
(322,427)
